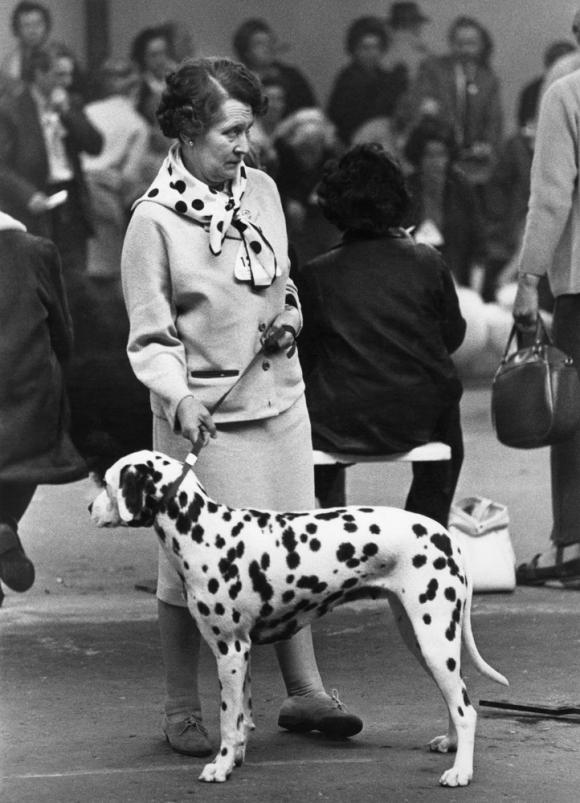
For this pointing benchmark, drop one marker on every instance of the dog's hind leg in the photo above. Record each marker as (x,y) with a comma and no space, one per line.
(248,714)
(232,659)
(437,645)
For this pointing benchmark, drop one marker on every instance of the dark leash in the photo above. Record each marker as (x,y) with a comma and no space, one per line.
(191,458)
(542,710)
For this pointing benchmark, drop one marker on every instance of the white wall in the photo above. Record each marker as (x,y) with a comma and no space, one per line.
(314,29)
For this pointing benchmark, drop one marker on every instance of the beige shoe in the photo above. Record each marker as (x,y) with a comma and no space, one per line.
(187,736)
(319,712)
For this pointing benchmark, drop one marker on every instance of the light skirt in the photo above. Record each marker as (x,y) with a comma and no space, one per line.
(264,464)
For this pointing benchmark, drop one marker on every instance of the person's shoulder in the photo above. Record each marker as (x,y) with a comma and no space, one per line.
(289,70)
(260,181)
(147,212)
(437,63)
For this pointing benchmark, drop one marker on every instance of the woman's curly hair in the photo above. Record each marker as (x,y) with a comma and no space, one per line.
(487,43)
(429,129)
(195,91)
(364,191)
(365,26)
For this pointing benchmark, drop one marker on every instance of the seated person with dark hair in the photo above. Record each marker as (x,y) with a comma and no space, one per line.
(445,208)
(381,319)
(255,45)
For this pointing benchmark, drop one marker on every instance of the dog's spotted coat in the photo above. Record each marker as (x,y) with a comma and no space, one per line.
(259,576)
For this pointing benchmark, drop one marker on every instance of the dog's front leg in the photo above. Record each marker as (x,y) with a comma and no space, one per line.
(233,730)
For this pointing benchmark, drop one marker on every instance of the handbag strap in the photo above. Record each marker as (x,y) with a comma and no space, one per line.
(541,338)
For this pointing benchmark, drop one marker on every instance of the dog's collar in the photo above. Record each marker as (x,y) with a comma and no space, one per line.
(188,464)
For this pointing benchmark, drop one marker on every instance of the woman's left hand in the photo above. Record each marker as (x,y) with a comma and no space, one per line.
(281,334)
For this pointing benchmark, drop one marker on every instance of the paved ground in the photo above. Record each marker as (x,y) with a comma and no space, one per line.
(81,684)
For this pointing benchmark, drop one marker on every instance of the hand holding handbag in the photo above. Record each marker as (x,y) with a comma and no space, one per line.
(535,394)
(480,528)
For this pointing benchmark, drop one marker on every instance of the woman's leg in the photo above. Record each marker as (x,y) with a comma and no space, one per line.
(180,644)
(565,457)
(16,569)
(298,664)
(180,638)
(330,485)
(434,483)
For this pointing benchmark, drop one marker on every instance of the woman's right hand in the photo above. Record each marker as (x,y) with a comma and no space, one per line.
(526,305)
(196,422)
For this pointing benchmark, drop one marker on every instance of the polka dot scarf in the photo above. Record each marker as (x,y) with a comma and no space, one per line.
(175,188)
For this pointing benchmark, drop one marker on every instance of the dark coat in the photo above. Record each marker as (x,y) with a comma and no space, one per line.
(36,342)
(463,226)
(381,319)
(24,162)
(484,120)
(359,95)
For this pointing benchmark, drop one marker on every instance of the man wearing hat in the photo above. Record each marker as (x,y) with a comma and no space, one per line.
(406,23)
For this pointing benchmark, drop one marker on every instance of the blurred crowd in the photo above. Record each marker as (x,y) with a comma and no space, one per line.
(78,148)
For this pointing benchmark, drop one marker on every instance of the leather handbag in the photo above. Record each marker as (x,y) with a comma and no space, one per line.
(535,395)
(481,529)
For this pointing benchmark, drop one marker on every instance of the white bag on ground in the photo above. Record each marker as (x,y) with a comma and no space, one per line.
(480,527)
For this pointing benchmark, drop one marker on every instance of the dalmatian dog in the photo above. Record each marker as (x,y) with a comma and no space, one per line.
(258,576)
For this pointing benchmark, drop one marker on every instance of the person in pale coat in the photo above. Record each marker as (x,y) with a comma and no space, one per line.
(114,175)
(206,279)
(551,246)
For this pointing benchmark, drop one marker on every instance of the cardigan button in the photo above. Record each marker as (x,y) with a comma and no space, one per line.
(266,365)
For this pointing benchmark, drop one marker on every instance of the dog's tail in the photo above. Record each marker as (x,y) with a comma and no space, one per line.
(469,641)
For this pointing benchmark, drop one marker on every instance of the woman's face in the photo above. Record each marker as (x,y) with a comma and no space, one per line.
(157,57)
(368,51)
(435,158)
(32,30)
(215,155)
(467,43)
(260,52)
(276,102)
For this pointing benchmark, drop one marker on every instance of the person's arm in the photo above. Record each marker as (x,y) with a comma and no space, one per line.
(156,353)
(83,136)
(12,185)
(452,322)
(53,295)
(554,180)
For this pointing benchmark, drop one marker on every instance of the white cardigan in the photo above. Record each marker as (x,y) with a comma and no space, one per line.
(193,326)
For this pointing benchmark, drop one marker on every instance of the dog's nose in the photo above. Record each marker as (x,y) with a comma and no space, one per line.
(91,507)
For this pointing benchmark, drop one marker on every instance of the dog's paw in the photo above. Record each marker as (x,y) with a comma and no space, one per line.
(239,755)
(214,773)
(443,744)
(456,777)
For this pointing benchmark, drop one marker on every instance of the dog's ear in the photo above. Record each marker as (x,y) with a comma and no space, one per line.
(135,495)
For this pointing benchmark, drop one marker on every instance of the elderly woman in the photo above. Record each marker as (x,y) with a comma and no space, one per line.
(205,274)
(381,321)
